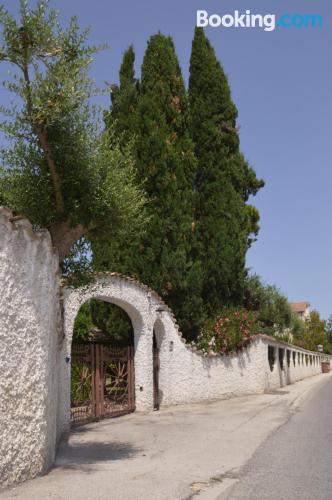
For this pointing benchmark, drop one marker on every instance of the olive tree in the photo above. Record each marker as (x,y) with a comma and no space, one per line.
(57,167)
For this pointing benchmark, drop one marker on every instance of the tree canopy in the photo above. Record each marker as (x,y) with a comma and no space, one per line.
(224,223)
(272,306)
(153,113)
(161,194)
(58,169)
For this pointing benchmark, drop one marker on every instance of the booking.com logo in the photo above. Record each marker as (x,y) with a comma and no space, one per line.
(269,22)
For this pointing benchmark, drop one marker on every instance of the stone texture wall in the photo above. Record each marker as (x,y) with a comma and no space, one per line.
(35,357)
(29,321)
(185,376)
(290,368)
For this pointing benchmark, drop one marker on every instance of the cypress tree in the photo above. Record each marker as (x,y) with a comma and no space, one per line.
(121,118)
(154,116)
(166,162)
(111,252)
(223,183)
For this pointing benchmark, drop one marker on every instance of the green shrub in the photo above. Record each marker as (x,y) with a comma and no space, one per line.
(230,331)
(273,310)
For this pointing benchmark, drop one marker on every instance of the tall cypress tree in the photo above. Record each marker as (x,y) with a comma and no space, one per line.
(166,162)
(121,119)
(223,183)
(111,253)
(166,165)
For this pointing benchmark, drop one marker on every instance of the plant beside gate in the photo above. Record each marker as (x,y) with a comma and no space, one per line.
(230,331)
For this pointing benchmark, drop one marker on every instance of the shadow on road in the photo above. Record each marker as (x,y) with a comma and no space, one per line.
(78,455)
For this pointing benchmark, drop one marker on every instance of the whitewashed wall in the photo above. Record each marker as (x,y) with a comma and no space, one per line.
(185,376)
(305,364)
(29,321)
(35,357)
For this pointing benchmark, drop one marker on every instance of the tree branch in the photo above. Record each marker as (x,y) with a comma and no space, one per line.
(64,236)
(41,134)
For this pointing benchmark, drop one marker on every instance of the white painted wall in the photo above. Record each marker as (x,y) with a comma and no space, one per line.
(29,319)
(35,358)
(278,377)
(185,376)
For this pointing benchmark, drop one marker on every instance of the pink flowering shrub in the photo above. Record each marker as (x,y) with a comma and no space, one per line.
(230,331)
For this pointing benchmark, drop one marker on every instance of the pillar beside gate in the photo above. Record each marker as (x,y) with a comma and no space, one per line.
(143,362)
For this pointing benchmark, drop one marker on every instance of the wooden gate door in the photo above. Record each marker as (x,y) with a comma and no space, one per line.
(116,381)
(82,384)
(102,382)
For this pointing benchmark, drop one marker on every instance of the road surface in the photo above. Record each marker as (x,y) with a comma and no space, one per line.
(200,451)
(295,462)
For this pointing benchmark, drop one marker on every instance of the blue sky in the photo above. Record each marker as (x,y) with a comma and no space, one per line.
(281,83)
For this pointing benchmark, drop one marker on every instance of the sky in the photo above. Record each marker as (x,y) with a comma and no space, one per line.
(281,83)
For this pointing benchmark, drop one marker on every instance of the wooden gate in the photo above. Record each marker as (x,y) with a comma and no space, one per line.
(102,382)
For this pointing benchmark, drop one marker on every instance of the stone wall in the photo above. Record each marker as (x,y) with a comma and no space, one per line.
(290,364)
(35,352)
(29,321)
(187,376)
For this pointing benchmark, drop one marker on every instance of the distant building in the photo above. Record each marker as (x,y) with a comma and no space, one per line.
(301,309)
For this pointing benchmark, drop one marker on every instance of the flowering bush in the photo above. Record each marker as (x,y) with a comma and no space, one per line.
(230,331)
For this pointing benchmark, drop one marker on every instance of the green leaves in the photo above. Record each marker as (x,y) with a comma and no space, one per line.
(59,170)
(225,225)
(229,331)
(273,309)
(196,180)
(153,116)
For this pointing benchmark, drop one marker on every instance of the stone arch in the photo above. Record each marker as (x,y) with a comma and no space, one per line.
(146,311)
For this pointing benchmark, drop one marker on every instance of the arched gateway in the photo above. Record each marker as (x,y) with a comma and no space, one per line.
(148,314)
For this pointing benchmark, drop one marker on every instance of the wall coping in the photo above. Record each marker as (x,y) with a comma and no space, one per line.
(263,336)
(20,222)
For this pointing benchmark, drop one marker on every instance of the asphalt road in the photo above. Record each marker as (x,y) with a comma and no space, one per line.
(201,451)
(295,462)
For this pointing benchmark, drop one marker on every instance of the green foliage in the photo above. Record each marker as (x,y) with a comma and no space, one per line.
(230,331)
(83,323)
(107,317)
(60,171)
(156,120)
(328,329)
(200,225)
(166,161)
(112,320)
(315,333)
(193,252)
(297,330)
(76,267)
(122,117)
(308,334)
(81,383)
(224,224)
(273,309)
